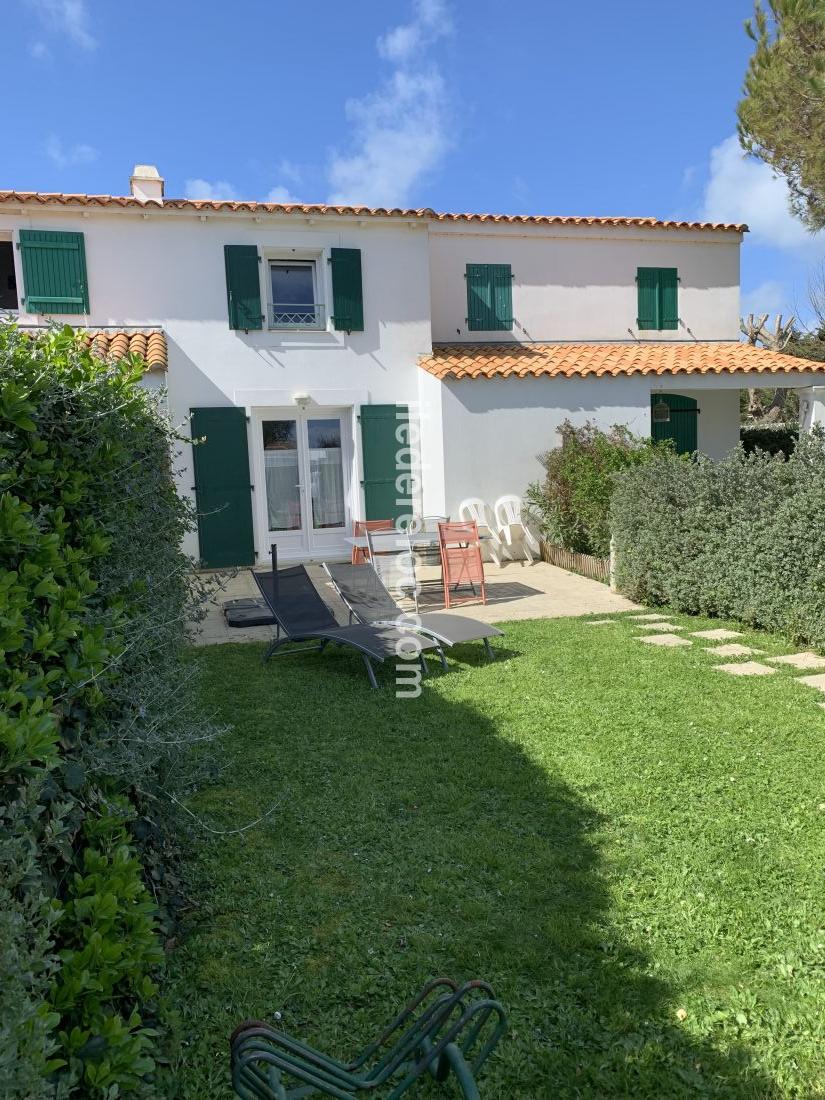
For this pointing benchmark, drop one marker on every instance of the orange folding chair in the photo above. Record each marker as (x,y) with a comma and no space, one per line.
(360,554)
(461,562)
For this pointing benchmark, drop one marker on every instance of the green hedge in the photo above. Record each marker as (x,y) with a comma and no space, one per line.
(571,506)
(96,711)
(771,437)
(742,538)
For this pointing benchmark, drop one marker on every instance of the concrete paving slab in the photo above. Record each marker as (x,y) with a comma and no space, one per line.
(746,668)
(799,660)
(817,682)
(718,635)
(664,639)
(732,650)
(641,618)
(660,628)
(515,590)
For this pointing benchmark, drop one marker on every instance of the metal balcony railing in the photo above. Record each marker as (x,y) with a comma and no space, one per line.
(296,315)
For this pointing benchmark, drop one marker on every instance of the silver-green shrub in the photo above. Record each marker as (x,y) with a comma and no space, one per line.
(743,538)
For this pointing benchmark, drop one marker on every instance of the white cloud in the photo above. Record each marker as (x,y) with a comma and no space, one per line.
(431,21)
(290,171)
(399,131)
(66,17)
(281,194)
(742,189)
(206,189)
(69,156)
(769,297)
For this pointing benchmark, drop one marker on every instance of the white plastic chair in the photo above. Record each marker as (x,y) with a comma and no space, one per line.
(508,518)
(474,508)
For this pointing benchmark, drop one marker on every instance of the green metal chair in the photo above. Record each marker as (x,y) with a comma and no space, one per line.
(446,1030)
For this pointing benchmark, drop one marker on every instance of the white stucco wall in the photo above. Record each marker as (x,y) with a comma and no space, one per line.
(578,282)
(166,268)
(495,429)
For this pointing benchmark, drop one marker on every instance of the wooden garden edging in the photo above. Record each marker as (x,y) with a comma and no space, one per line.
(598,569)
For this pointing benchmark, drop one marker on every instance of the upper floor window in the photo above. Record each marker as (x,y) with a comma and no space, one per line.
(658,297)
(294,297)
(8,282)
(489,297)
(294,289)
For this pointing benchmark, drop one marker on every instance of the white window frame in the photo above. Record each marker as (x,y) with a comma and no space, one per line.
(312,261)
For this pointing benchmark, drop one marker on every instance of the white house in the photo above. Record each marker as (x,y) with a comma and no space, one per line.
(347,362)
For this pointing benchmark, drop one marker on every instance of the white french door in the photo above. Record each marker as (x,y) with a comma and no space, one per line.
(304,470)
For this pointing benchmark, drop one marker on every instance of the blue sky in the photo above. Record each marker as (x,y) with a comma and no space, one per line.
(536,106)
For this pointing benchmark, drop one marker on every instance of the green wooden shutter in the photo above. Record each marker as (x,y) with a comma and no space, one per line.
(682,428)
(668,297)
(243,286)
(501,280)
(489,297)
(479,298)
(647,284)
(222,488)
(380,449)
(54,272)
(347,291)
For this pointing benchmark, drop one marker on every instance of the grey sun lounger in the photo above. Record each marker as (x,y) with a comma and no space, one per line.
(369,601)
(301,615)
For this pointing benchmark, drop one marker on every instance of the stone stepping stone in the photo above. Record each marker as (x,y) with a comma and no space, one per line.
(800,660)
(652,618)
(719,635)
(747,668)
(817,681)
(667,640)
(733,649)
(599,622)
(662,628)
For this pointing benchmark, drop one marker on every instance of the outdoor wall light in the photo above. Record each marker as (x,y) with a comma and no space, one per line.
(301,399)
(661,413)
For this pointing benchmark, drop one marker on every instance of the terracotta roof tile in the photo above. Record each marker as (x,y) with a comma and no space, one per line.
(117,343)
(606,360)
(44,198)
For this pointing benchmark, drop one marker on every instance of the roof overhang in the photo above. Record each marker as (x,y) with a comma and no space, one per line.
(671,359)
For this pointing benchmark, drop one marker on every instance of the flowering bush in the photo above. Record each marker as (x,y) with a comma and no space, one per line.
(572,505)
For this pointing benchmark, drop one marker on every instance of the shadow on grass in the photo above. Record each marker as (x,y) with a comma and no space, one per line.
(415,838)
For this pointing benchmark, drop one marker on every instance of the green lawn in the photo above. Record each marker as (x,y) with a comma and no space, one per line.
(627,844)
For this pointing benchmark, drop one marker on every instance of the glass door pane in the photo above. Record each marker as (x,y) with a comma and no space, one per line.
(326,473)
(283,481)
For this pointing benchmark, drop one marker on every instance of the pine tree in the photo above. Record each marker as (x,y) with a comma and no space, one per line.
(782,112)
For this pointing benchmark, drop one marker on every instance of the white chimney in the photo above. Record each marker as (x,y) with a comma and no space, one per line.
(146,183)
